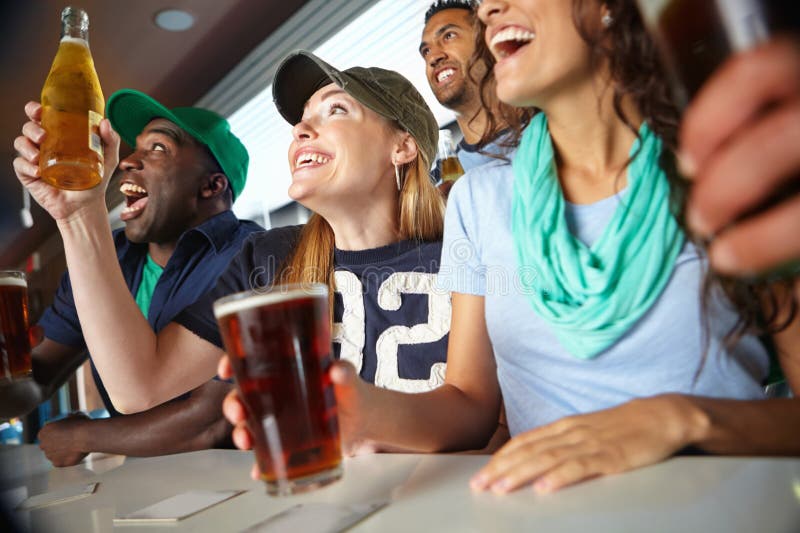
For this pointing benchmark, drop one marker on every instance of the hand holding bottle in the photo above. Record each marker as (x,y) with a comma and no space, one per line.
(61,204)
(449,165)
(72,108)
(739,142)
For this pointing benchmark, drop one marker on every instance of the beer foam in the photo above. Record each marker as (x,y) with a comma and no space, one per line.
(74,40)
(249,300)
(11,281)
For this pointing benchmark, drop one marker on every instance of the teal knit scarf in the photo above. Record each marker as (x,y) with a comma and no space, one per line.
(591,296)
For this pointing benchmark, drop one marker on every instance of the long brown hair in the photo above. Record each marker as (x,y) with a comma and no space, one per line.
(763,308)
(500,116)
(420,216)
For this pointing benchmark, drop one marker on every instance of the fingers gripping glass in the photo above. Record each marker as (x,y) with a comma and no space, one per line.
(15,344)
(279,344)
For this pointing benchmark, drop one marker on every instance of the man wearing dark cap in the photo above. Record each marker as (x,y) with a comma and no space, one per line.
(179,235)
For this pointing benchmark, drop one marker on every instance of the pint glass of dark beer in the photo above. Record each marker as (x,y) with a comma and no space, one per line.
(15,344)
(696,36)
(279,344)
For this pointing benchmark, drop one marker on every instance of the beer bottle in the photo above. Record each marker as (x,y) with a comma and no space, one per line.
(449,166)
(696,36)
(71,154)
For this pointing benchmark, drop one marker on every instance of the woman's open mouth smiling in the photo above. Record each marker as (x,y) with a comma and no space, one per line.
(308,157)
(509,40)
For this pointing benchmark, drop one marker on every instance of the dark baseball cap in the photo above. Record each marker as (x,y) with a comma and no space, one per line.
(129,111)
(386,92)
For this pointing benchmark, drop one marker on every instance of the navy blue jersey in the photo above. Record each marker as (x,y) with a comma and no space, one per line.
(390,320)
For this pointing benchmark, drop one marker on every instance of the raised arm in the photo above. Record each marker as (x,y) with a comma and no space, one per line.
(193,423)
(126,352)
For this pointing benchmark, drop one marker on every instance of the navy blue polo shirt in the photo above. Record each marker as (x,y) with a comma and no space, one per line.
(201,255)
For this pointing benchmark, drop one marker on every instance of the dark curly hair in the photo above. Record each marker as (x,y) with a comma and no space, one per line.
(441,5)
(763,307)
(500,116)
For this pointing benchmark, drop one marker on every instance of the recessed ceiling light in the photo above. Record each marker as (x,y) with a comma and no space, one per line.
(174,20)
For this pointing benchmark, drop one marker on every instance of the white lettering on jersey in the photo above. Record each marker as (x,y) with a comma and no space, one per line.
(351,331)
(438,325)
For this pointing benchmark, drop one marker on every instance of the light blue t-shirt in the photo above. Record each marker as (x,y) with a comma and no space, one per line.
(470,156)
(540,381)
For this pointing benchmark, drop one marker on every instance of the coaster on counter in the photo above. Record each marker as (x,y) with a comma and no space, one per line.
(177,507)
(62,495)
(317,517)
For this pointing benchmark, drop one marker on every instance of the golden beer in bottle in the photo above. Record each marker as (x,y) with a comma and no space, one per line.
(71,155)
(449,166)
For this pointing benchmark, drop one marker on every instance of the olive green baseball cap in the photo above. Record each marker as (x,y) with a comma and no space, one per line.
(386,92)
(129,111)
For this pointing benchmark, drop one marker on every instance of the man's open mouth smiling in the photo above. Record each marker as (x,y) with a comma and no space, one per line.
(135,200)
(444,74)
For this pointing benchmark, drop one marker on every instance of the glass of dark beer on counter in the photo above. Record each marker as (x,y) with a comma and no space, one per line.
(15,344)
(279,344)
(697,36)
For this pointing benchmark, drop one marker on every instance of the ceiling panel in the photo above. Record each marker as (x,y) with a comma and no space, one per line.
(129,51)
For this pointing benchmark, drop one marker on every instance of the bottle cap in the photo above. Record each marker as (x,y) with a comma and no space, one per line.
(75,16)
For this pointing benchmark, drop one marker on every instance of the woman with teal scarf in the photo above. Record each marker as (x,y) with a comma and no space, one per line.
(596,216)
(578,300)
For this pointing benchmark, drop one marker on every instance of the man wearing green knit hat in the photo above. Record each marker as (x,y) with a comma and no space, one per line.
(179,183)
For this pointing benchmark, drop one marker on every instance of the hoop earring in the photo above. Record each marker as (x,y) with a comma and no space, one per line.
(607,20)
(397,175)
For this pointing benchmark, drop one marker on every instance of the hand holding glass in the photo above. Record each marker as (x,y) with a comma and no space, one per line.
(697,36)
(15,344)
(279,345)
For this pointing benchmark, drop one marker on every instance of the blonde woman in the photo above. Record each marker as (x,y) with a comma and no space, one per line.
(363,141)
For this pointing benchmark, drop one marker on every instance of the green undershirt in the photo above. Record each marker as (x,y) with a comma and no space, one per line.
(150,274)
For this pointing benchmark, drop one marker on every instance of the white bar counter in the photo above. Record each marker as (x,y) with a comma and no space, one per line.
(425,493)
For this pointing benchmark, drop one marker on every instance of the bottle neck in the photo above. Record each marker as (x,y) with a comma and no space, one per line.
(446,148)
(74,32)
(446,151)
(74,24)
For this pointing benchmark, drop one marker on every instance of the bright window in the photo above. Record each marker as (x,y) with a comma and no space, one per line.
(386,35)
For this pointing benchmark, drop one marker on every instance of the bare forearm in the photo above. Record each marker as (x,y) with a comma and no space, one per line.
(175,427)
(116,332)
(23,396)
(51,371)
(53,364)
(770,427)
(444,419)
(735,427)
